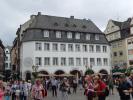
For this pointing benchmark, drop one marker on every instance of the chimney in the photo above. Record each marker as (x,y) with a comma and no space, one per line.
(72,17)
(39,13)
(84,19)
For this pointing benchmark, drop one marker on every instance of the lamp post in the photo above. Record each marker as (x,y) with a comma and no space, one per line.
(35,69)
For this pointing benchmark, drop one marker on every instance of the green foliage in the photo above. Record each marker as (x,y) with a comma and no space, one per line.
(35,74)
(119,70)
(89,71)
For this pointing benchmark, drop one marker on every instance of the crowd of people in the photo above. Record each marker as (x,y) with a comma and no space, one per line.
(95,87)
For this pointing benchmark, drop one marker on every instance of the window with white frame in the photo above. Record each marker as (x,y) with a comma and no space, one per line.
(98,48)
(85,48)
(78,61)
(55,47)
(88,36)
(38,46)
(99,62)
(97,37)
(69,35)
(85,61)
(6,65)
(46,33)
(91,48)
(46,46)
(104,48)
(77,36)
(77,47)
(63,61)
(70,47)
(38,61)
(71,61)
(62,47)
(46,61)
(58,34)
(55,61)
(105,61)
(92,61)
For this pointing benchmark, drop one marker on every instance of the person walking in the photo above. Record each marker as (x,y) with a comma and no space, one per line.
(100,88)
(8,92)
(124,88)
(1,90)
(23,90)
(54,84)
(75,86)
(13,90)
(64,87)
(89,88)
(111,85)
(37,91)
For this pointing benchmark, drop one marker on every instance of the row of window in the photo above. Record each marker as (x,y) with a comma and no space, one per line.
(113,36)
(7,65)
(130,41)
(85,48)
(118,44)
(69,35)
(120,53)
(71,61)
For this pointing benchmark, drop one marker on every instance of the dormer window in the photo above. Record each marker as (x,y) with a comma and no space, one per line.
(69,35)
(77,36)
(46,33)
(96,37)
(74,25)
(66,25)
(88,36)
(84,26)
(58,34)
(55,24)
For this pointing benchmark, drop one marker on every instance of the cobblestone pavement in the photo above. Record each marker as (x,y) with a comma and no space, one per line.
(79,96)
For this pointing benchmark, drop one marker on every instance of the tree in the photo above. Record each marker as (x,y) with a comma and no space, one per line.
(89,72)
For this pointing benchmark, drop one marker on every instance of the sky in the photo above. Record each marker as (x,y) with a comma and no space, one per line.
(13,13)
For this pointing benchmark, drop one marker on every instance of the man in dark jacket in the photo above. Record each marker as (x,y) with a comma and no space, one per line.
(124,88)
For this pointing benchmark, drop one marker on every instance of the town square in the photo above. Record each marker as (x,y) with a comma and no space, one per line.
(66,50)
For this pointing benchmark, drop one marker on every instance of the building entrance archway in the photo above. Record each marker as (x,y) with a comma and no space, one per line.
(75,72)
(28,76)
(59,72)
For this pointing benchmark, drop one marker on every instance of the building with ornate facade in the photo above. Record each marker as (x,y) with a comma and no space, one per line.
(119,35)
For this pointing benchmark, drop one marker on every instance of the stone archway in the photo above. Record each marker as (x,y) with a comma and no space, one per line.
(44,72)
(58,72)
(75,72)
(103,71)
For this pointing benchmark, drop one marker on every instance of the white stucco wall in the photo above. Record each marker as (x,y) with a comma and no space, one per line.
(28,51)
(8,61)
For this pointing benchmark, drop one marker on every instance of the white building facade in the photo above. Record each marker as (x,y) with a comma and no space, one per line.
(63,44)
(7,58)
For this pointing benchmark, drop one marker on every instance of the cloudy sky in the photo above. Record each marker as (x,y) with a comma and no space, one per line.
(16,12)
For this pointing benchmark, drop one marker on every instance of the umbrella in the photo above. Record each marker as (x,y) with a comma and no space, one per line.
(66,75)
(118,73)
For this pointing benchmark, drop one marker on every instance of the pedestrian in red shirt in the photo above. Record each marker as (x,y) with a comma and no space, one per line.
(100,88)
